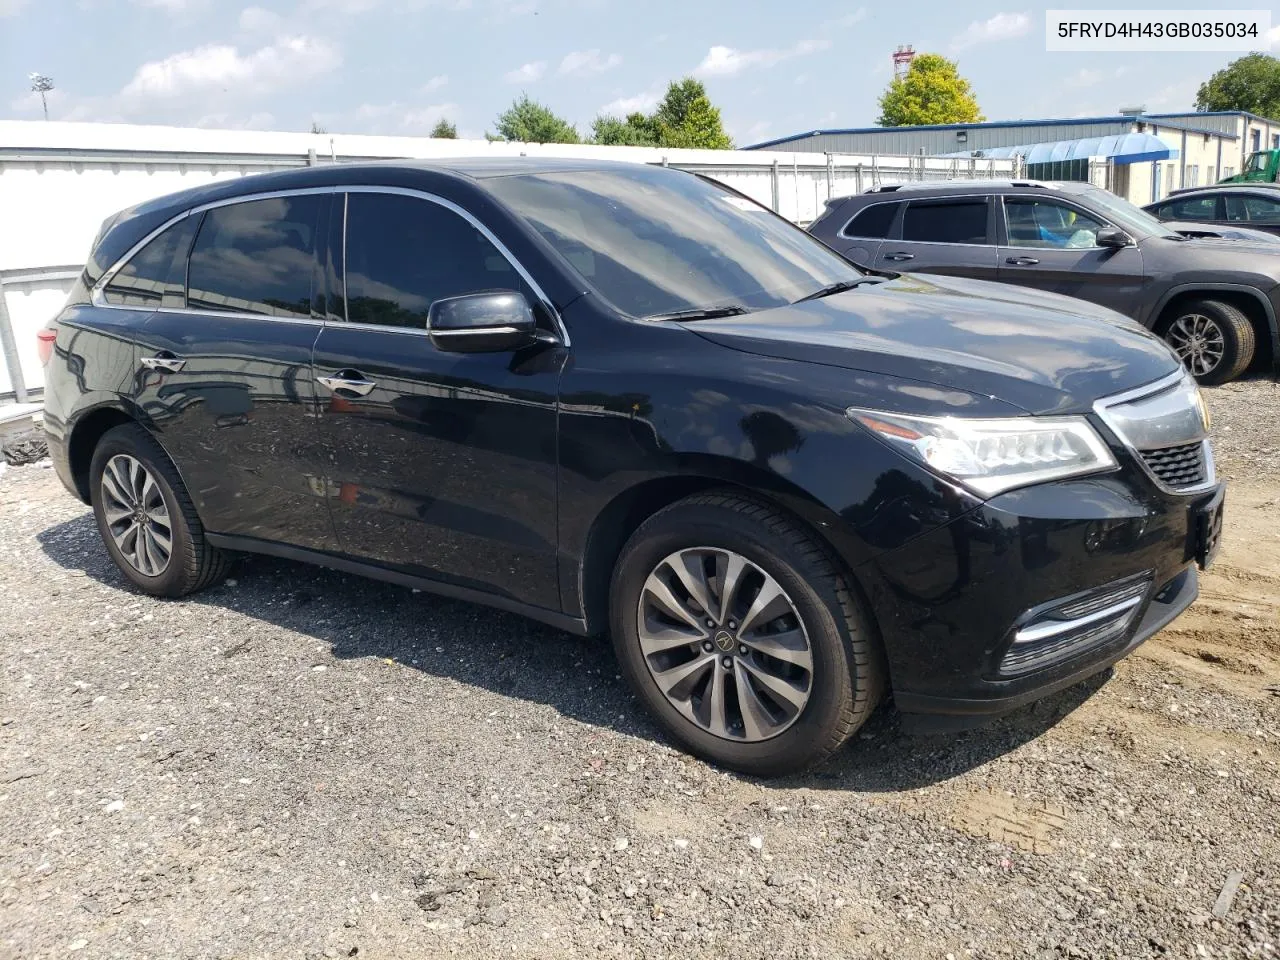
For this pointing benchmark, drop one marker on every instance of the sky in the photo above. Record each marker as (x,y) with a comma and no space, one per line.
(397,66)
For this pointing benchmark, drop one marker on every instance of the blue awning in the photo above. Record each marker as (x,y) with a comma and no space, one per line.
(1121,147)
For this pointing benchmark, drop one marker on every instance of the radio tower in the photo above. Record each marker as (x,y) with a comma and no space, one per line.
(902,58)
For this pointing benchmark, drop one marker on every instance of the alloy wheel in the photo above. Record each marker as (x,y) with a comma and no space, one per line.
(136,515)
(725,644)
(1198,340)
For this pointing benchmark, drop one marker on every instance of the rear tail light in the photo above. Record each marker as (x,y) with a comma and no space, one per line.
(45,339)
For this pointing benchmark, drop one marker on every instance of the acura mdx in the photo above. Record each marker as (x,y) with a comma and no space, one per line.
(626,399)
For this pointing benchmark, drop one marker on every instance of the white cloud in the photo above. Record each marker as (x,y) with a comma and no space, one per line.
(1084,77)
(1003,26)
(171,6)
(218,67)
(11,8)
(435,83)
(528,73)
(584,63)
(726,61)
(258,20)
(226,121)
(757,130)
(641,103)
(1272,38)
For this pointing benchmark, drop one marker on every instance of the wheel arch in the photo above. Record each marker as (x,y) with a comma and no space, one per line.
(89,428)
(628,509)
(1250,301)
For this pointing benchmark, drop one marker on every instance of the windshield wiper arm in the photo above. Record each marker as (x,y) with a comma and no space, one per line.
(702,313)
(840,287)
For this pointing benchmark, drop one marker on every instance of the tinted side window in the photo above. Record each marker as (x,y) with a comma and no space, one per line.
(404,253)
(1195,208)
(1253,209)
(874,222)
(953,221)
(256,257)
(1043,223)
(154,271)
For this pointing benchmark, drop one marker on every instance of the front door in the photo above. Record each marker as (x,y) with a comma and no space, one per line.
(225,372)
(442,464)
(952,236)
(1053,246)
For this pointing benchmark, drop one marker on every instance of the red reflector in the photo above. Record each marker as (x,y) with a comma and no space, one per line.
(45,339)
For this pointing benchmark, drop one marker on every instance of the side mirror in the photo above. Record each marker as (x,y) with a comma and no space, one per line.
(1113,237)
(489,322)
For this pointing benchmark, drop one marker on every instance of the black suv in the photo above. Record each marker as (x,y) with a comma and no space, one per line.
(623,398)
(1215,303)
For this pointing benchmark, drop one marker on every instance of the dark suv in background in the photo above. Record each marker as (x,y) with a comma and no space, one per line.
(623,398)
(1215,302)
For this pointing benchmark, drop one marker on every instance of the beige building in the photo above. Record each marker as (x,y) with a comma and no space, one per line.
(1140,156)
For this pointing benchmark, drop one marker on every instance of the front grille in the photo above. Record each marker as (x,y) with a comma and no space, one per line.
(1178,467)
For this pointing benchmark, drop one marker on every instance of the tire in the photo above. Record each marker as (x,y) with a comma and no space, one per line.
(847,675)
(1223,328)
(192,563)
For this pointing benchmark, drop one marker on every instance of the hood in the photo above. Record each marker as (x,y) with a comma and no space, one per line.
(1219,231)
(1042,352)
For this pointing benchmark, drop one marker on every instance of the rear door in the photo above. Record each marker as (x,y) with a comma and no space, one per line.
(441,464)
(1051,244)
(225,370)
(950,235)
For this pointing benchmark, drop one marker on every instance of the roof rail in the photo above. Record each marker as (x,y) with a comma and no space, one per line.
(958,184)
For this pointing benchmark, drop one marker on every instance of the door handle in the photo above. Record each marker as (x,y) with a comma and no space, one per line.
(348,381)
(899,256)
(164,361)
(1022,261)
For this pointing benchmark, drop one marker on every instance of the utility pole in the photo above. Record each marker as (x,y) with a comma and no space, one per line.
(42,85)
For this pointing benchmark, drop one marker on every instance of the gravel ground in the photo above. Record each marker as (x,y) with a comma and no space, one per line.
(300,763)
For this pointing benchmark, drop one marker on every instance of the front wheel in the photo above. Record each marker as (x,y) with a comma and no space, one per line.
(736,630)
(1214,340)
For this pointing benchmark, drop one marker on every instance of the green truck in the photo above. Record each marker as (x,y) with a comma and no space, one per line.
(1263,166)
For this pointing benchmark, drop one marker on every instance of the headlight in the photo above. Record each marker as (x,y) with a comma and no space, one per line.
(991,456)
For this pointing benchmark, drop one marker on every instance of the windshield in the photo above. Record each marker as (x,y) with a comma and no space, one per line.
(1257,162)
(1126,215)
(654,241)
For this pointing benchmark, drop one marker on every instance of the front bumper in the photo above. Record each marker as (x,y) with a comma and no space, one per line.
(950,603)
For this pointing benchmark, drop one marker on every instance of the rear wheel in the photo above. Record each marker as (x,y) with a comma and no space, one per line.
(740,636)
(1214,340)
(145,517)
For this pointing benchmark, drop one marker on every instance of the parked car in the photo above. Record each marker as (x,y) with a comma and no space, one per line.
(1216,304)
(1251,206)
(623,398)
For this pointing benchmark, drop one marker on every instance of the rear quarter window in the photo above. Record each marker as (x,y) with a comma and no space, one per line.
(156,271)
(873,222)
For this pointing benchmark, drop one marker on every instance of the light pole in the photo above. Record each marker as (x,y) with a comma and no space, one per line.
(42,85)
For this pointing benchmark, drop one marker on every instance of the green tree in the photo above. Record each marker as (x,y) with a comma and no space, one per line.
(636,130)
(530,122)
(685,117)
(931,92)
(444,130)
(1250,83)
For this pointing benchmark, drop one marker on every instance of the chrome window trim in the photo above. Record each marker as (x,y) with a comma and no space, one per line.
(1101,409)
(97,295)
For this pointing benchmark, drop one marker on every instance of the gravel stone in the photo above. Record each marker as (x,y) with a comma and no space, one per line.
(456,782)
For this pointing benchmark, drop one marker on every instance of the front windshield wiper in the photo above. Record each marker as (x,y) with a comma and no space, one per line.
(840,287)
(702,313)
